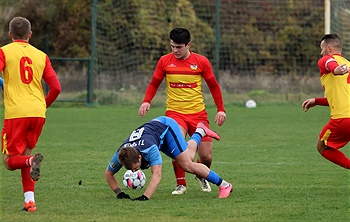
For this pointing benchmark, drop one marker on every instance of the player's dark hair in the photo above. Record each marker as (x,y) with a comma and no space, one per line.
(20,28)
(128,156)
(180,36)
(332,39)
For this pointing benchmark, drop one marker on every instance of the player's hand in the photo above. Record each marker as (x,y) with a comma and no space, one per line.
(220,118)
(123,195)
(307,104)
(144,108)
(342,69)
(141,198)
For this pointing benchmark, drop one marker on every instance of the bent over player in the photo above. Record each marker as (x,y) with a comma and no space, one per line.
(334,74)
(142,150)
(23,68)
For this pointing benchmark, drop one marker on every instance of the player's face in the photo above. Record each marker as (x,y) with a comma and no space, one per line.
(180,51)
(136,166)
(324,48)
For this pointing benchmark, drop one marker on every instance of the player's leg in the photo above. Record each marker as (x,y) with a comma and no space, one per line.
(182,152)
(205,152)
(333,155)
(202,171)
(180,175)
(338,138)
(31,176)
(204,156)
(33,128)
(28,185)
(204,149)
(14,144)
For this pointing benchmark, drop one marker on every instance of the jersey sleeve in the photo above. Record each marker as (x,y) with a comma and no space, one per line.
(215,91)
(52,81)
(213,85)
(152,89)
(153,156)
(114,166)
(321,101)
(2,60)
(327,64)
(156,80)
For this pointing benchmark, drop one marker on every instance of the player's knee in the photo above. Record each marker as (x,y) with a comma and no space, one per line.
(206,159)
(5,161)
(7,166)
(321,146)
(185,166)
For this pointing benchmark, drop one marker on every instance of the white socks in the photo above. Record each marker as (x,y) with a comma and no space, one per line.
(29,196)
(201,131)
(224,183)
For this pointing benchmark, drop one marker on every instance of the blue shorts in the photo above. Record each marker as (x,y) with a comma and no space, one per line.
(174,143)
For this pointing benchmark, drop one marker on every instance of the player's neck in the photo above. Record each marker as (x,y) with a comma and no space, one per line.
(187,55)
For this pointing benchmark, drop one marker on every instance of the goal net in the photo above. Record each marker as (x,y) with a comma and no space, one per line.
(266,44)
(340,23)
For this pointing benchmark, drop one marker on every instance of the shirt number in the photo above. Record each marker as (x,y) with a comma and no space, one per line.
(26,70)
(136,134)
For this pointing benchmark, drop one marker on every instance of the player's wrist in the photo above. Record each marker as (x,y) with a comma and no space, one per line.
(321,101)
(117,191)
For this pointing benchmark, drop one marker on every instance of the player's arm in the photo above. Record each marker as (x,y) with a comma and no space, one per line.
(341,69)
(307,104)
(149,95)
(113,167)
(114,185)
(215,91)
(332,65)
(2,60)
(155,159)
(52,81)
(154,181)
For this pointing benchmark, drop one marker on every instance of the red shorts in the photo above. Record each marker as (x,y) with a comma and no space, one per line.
(336,133)
(189,121)
(21,133)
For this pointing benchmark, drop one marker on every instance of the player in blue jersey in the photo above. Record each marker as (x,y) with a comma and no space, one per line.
(142,150)
(1,83)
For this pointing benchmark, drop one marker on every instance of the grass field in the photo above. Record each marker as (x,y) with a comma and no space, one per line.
(268,154)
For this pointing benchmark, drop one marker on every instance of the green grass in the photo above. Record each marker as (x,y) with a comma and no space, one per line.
(268,153)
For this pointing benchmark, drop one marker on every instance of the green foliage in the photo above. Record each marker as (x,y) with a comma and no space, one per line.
(62,28)
(256,38)
(144,34)
(268,153)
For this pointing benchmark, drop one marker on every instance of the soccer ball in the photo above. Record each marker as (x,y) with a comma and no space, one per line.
(134,180)
(250,104)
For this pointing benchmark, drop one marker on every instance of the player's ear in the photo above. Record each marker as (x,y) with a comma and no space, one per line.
(140,157)
(329,48)
(10,35)
(30,35)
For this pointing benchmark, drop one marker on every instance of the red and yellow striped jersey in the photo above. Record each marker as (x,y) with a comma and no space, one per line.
(184,82)
(336,87)
(23,68)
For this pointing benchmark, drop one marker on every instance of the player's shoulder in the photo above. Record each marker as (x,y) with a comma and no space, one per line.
(6,46)
(167,56)
(199,57)
(324,59)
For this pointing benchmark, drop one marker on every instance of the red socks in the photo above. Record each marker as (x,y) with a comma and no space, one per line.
(18,162)
(27,183)
(179,174)
(23,163)
(336,157)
